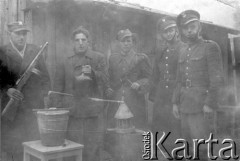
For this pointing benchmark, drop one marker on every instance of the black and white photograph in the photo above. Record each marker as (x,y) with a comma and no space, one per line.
(119,80)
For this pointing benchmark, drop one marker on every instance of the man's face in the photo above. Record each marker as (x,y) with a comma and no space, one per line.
(126,44)
(191,30)
(80,43)
(19,38)
(169,33)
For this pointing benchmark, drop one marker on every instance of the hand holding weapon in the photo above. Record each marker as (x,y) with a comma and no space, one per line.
(10,109)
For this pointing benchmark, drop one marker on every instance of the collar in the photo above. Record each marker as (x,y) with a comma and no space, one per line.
(129,54)
(173,45)
(21,53)
(88,54)
(199,40)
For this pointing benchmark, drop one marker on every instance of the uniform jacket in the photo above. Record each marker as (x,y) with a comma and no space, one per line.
(123,71)
(37,86)
(163,81)
(199,76)
(24,126)
(164,70)
(65,82)
(7,78)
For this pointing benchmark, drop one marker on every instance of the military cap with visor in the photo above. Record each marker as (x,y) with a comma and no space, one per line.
(166,23)
(125,33)
(186,17)
(17,26)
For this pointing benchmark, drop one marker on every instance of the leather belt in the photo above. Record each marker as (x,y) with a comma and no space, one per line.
(188,83)
(167,76)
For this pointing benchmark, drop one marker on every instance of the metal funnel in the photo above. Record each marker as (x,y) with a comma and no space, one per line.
(123,112)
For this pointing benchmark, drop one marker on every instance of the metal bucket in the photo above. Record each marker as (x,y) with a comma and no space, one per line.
(52,126)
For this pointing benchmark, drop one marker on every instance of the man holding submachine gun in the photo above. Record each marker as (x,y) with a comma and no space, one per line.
(28,83)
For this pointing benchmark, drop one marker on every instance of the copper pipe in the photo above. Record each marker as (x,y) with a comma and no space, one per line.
(105,100)
(60,93)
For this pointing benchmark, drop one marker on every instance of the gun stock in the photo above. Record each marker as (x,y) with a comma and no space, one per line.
(11,108)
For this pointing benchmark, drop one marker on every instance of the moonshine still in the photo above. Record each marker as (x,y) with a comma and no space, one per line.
(125,141)
(123,118)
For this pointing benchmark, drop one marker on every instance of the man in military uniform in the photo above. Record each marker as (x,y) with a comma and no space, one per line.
(199,77)
(129,74)
(163,81)
(84,75)
(16,57)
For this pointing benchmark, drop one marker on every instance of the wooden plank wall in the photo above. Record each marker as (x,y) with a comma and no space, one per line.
(10,11)
(220,35)
(55,21)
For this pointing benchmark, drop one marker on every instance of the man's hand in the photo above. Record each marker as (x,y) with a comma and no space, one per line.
(86,69)
(15,94)
(176,111)
(135,85)
(46,101)
(109,92)
(207,109)
(82,77)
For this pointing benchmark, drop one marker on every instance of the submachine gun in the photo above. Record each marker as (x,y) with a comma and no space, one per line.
(10,110)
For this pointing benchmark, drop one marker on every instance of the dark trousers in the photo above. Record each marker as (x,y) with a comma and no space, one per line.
(163,118)
(194,126)
(89,132)
(24,128)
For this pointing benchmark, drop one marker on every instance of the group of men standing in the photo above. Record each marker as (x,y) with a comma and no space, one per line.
(189,74)
(183,85)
